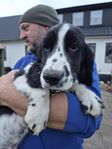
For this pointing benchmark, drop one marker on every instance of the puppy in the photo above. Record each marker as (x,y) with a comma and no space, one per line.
(64,63)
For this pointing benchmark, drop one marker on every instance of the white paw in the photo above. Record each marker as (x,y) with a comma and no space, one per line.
(38,111)
(91,103)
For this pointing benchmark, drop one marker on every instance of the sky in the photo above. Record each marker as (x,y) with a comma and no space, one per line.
(18,7)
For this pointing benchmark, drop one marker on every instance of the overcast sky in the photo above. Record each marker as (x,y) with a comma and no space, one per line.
(17,7)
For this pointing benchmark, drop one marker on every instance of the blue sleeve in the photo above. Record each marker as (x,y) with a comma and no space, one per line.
(24,61)
(19,64)
(77,121)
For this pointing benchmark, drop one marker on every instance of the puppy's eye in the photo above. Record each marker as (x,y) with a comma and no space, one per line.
(46,49)
(73,47)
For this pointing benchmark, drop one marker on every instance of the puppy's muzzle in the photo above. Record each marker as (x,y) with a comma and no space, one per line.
(52,77)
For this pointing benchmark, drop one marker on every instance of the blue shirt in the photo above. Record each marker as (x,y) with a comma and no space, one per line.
(78,125)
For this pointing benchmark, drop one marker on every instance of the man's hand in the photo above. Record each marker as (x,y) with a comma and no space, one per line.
(6,82)
(9,96)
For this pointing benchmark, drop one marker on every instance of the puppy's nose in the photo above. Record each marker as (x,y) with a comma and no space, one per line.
(52,77)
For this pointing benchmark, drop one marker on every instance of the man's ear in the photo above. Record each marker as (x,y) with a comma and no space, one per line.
(46,28)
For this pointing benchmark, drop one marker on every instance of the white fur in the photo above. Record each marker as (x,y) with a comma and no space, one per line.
(88,98)
(37,114)
(12,130)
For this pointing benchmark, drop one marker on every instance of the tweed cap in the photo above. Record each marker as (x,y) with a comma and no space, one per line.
(40,14)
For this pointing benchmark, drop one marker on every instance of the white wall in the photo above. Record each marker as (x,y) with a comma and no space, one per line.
(102,67)
(14,51)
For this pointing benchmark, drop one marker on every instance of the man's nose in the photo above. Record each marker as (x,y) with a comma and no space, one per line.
(22,35)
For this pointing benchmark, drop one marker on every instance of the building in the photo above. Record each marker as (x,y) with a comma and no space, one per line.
(95,22)
(9,36)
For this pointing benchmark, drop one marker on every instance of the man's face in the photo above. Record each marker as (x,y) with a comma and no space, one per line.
(32,34)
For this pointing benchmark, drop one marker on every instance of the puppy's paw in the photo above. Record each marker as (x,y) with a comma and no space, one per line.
(38,111)
(36,124)
(91,103)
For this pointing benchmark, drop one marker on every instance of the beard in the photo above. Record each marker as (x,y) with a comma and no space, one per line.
(33,48)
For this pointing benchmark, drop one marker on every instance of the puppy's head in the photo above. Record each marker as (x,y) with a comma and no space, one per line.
(63,54)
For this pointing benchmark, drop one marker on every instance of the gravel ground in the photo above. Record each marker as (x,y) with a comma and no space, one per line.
(102,139)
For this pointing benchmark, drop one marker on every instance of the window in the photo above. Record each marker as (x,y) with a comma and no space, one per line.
(96,17)
(92,46)
(60,16)
(108,54)
(78,18)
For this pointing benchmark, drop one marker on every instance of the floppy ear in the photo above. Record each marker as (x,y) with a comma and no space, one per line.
(33,76)
(86,69)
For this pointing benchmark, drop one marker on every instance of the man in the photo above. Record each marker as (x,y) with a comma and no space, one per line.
(67,124)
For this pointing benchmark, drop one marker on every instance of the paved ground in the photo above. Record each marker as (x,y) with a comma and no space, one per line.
(102,139)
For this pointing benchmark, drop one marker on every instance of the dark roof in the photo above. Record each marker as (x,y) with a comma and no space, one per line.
(9,28)
(85,7)
(97,31)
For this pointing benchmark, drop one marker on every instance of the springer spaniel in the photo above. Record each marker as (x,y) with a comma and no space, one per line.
(65,63)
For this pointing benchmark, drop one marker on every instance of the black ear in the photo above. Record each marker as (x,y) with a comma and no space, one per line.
(86,69)
(33,76)
(39,54)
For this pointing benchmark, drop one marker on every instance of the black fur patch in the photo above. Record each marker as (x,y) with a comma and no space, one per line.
(67,72)
(5,110)
(81,61)
(31,130)
(19,73)
(33,104)
(54,60)
(61,54)
(33,76)
(86,69)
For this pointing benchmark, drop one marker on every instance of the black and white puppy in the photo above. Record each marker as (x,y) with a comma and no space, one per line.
(66,60)
(64,63)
